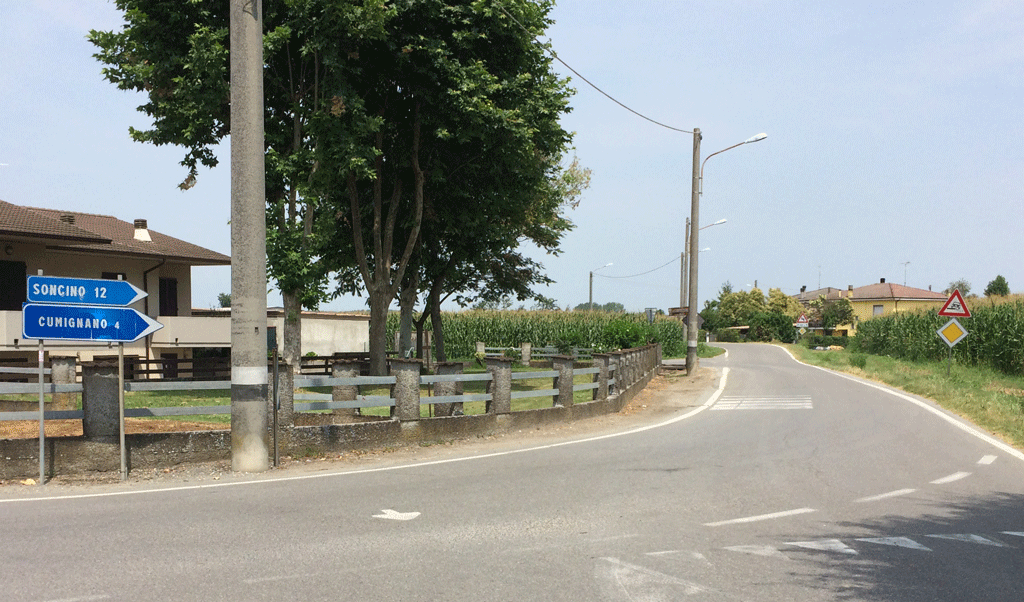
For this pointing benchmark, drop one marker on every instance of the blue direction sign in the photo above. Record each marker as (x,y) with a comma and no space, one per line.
(83,291)
(85,323)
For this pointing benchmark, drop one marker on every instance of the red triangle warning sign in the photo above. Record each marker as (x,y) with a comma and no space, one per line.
(955,306)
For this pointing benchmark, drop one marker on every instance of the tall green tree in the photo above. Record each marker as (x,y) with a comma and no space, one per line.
(447,148)
(998,287)
(831,312)
(373,109)
(961,285)
(176,53)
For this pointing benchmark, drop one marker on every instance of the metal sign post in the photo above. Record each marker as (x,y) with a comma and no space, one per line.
(42,421)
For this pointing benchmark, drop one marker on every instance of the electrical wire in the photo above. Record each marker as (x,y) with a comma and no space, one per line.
(673,260)
(555,56)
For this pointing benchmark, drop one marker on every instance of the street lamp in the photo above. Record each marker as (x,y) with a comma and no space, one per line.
(684,267)
(698,179)
(590,300)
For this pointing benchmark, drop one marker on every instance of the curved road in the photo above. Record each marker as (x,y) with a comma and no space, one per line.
(790,483)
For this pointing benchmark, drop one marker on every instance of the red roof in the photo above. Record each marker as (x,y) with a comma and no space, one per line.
(892,291)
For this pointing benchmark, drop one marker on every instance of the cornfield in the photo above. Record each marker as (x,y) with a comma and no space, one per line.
(562,330)
(995,339)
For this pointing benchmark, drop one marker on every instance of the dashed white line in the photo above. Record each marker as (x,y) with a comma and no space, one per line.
(956,476)
(882,496)
(257,580)
(987,460)
(760,517)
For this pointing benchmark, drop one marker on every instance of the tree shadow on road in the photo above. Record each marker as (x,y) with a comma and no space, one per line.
(961,551)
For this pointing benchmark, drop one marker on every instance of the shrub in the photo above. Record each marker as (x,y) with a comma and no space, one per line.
(728,335)
(858,360)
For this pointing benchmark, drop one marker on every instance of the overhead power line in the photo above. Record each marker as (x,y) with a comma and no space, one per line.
(554,55)
(673,260)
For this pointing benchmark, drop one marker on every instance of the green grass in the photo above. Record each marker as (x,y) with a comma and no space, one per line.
(987,397)
(705,351)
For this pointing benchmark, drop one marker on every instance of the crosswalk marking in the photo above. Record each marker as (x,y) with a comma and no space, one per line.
(838,546)
(789,402)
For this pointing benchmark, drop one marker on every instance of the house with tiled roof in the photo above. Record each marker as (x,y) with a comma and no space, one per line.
(879,299)
(82,245)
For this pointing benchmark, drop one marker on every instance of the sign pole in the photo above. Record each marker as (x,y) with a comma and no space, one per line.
(120,408)
(42,417)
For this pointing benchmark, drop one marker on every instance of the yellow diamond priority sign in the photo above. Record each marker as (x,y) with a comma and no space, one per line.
(952,333)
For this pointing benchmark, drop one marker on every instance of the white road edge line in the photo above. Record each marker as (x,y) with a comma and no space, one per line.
(710,402)
(967,428)
(883,496)
(760,517)
(956,476)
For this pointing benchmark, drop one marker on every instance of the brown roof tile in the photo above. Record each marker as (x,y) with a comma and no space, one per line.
(99,234)
(890,290)
(25,222)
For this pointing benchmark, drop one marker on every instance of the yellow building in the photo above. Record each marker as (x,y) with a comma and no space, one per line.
(879,299)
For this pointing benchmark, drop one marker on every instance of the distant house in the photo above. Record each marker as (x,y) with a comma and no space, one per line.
(879,299)
(82,245)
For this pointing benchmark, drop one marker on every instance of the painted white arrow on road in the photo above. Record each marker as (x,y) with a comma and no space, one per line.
(903,542)
(395,515)
(827,545)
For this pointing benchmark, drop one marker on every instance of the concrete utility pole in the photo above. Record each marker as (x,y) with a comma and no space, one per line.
(691,316)
(250,442)
(684,268)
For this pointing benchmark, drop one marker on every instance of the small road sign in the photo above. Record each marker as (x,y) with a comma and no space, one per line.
(85,323)
(955,307)
(952,332)
(83,291)
(802,322)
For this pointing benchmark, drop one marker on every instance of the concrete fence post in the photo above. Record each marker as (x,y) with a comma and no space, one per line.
(616,374)
(345,369)
(601,362)
(526,351)
(443,389)
(101,418)
(500,386)
(406,389)
(62,372)
(563,382)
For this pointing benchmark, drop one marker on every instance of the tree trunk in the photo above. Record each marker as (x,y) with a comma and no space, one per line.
(291,338)
(407,304)
(379,302)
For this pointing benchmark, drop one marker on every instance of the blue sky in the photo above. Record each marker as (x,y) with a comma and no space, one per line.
(894,135)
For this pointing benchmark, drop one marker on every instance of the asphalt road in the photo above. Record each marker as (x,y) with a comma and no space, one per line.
(790,483)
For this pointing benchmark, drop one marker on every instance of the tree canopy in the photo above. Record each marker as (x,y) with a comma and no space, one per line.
(403,137)
(998,287)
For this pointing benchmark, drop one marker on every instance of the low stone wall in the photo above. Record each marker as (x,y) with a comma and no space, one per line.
(77,455)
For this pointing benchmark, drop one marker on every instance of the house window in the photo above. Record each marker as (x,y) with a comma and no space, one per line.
(876,310)
(13,285)
(168,296)
(114,276)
